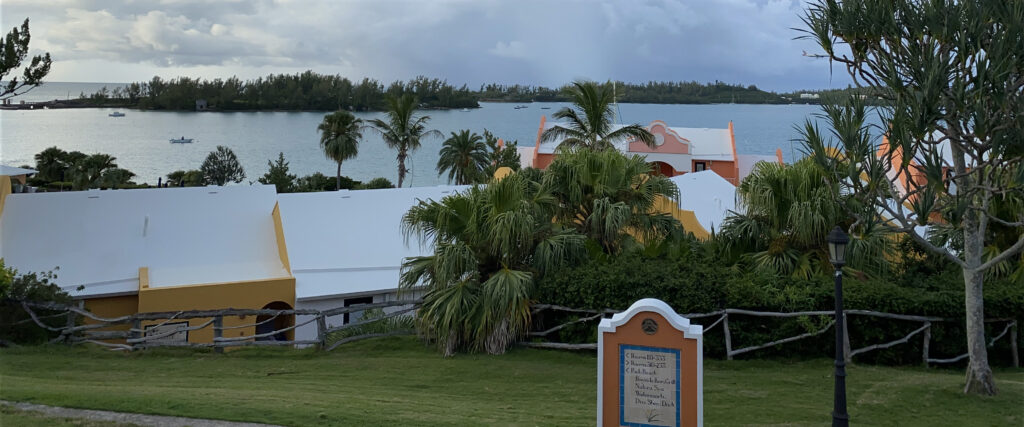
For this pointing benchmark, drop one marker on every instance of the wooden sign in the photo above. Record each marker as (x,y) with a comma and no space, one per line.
(649,368)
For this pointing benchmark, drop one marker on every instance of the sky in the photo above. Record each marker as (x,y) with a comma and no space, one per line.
(534,42)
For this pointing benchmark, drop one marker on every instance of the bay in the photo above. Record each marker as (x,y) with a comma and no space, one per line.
(140,143)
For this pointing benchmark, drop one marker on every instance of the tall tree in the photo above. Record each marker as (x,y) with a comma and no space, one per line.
(952,73)
(86,171)
(221,167)
(402,131)
(591,123)
(278,175)
(505,155)
(340,132)
(610,197)
(51,163)
(491,243)
(464,156)
(13,51)
(786,213)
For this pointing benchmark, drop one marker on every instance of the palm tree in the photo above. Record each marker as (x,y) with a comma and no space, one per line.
(788,211)
(491,243)
(590,123)
(340,132)
(464,156)
(50,163)
(610,197)
(85,171)
(402,131)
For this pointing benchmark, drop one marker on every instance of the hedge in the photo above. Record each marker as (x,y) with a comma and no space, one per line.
(700,283)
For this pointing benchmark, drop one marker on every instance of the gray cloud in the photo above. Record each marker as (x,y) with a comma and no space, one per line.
(531,41)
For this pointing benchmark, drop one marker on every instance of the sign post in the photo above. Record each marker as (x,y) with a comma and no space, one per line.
(650,368)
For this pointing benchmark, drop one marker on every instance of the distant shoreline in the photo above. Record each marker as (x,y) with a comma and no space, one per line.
(80,103)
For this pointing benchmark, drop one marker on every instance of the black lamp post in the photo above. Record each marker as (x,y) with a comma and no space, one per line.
(837,241)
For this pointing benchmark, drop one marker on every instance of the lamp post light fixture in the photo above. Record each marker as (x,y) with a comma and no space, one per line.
(837,241)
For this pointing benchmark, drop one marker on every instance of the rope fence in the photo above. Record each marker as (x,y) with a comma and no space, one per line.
(140,335)
(143,329)
(722,317)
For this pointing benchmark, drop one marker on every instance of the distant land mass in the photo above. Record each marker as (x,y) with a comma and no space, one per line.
(309,91)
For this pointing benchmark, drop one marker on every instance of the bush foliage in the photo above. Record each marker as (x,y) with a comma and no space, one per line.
(15,324)
(697,280)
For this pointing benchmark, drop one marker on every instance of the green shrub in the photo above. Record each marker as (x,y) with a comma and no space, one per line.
(698,282)
(375,183)
(15,324)
(383,326)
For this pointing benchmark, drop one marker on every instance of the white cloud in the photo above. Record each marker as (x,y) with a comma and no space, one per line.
(529,41)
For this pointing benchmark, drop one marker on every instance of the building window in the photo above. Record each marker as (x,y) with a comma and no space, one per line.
(356,315)
(699,167)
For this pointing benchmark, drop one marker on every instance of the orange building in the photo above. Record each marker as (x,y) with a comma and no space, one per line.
(677,151)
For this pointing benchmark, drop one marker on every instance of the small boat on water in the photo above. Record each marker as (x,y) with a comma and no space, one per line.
(181,140)
(116,114)
(545,108)
(464,110)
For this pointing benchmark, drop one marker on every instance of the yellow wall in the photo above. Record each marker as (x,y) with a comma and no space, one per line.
(687,218)
(5,189)
(112,307)
(250,295)
(282,249)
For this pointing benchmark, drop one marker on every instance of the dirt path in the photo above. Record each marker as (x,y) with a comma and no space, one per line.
(127,418)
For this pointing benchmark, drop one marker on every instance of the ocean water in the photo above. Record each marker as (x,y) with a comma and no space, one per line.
(140,143)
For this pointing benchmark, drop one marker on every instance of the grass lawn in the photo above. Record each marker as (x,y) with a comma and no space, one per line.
(398,381)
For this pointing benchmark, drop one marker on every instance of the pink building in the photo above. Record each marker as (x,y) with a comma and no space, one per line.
(677,151)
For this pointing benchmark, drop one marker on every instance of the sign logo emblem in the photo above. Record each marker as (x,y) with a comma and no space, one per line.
(649,326)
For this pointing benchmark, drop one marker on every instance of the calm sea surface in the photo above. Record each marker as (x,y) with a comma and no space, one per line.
(140,139)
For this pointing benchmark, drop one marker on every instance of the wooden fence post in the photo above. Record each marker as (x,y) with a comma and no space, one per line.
(136,332)
(218,332)
(321,330)
(68,335)
(728,337)
(927,341)
(1013,345)
(847,357)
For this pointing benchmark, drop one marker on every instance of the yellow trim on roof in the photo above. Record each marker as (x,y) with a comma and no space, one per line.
(282,248)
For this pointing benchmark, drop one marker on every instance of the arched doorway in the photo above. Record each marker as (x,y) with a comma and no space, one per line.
(265,325)
(663,169)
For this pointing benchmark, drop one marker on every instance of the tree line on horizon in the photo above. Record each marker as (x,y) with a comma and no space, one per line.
(323,92)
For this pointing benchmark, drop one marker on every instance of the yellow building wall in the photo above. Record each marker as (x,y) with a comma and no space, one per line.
(109,307)
(687,218)
(246,295)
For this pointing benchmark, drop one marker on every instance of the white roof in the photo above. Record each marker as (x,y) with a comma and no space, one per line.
(185,236)
(350,242)
(748,161)
(708,195)
(705,143)
(13,171)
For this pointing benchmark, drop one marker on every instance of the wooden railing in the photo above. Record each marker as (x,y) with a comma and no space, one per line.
(136,336)
(722,317)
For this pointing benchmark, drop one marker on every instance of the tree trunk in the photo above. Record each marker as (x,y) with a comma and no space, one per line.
(337,179)
(499,339)
(979,374)
(401,166)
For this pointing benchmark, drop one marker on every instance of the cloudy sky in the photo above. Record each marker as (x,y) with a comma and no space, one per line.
(464,41)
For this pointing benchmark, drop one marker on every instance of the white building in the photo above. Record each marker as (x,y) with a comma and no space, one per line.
(708,195)
(347,247)
(98,240)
